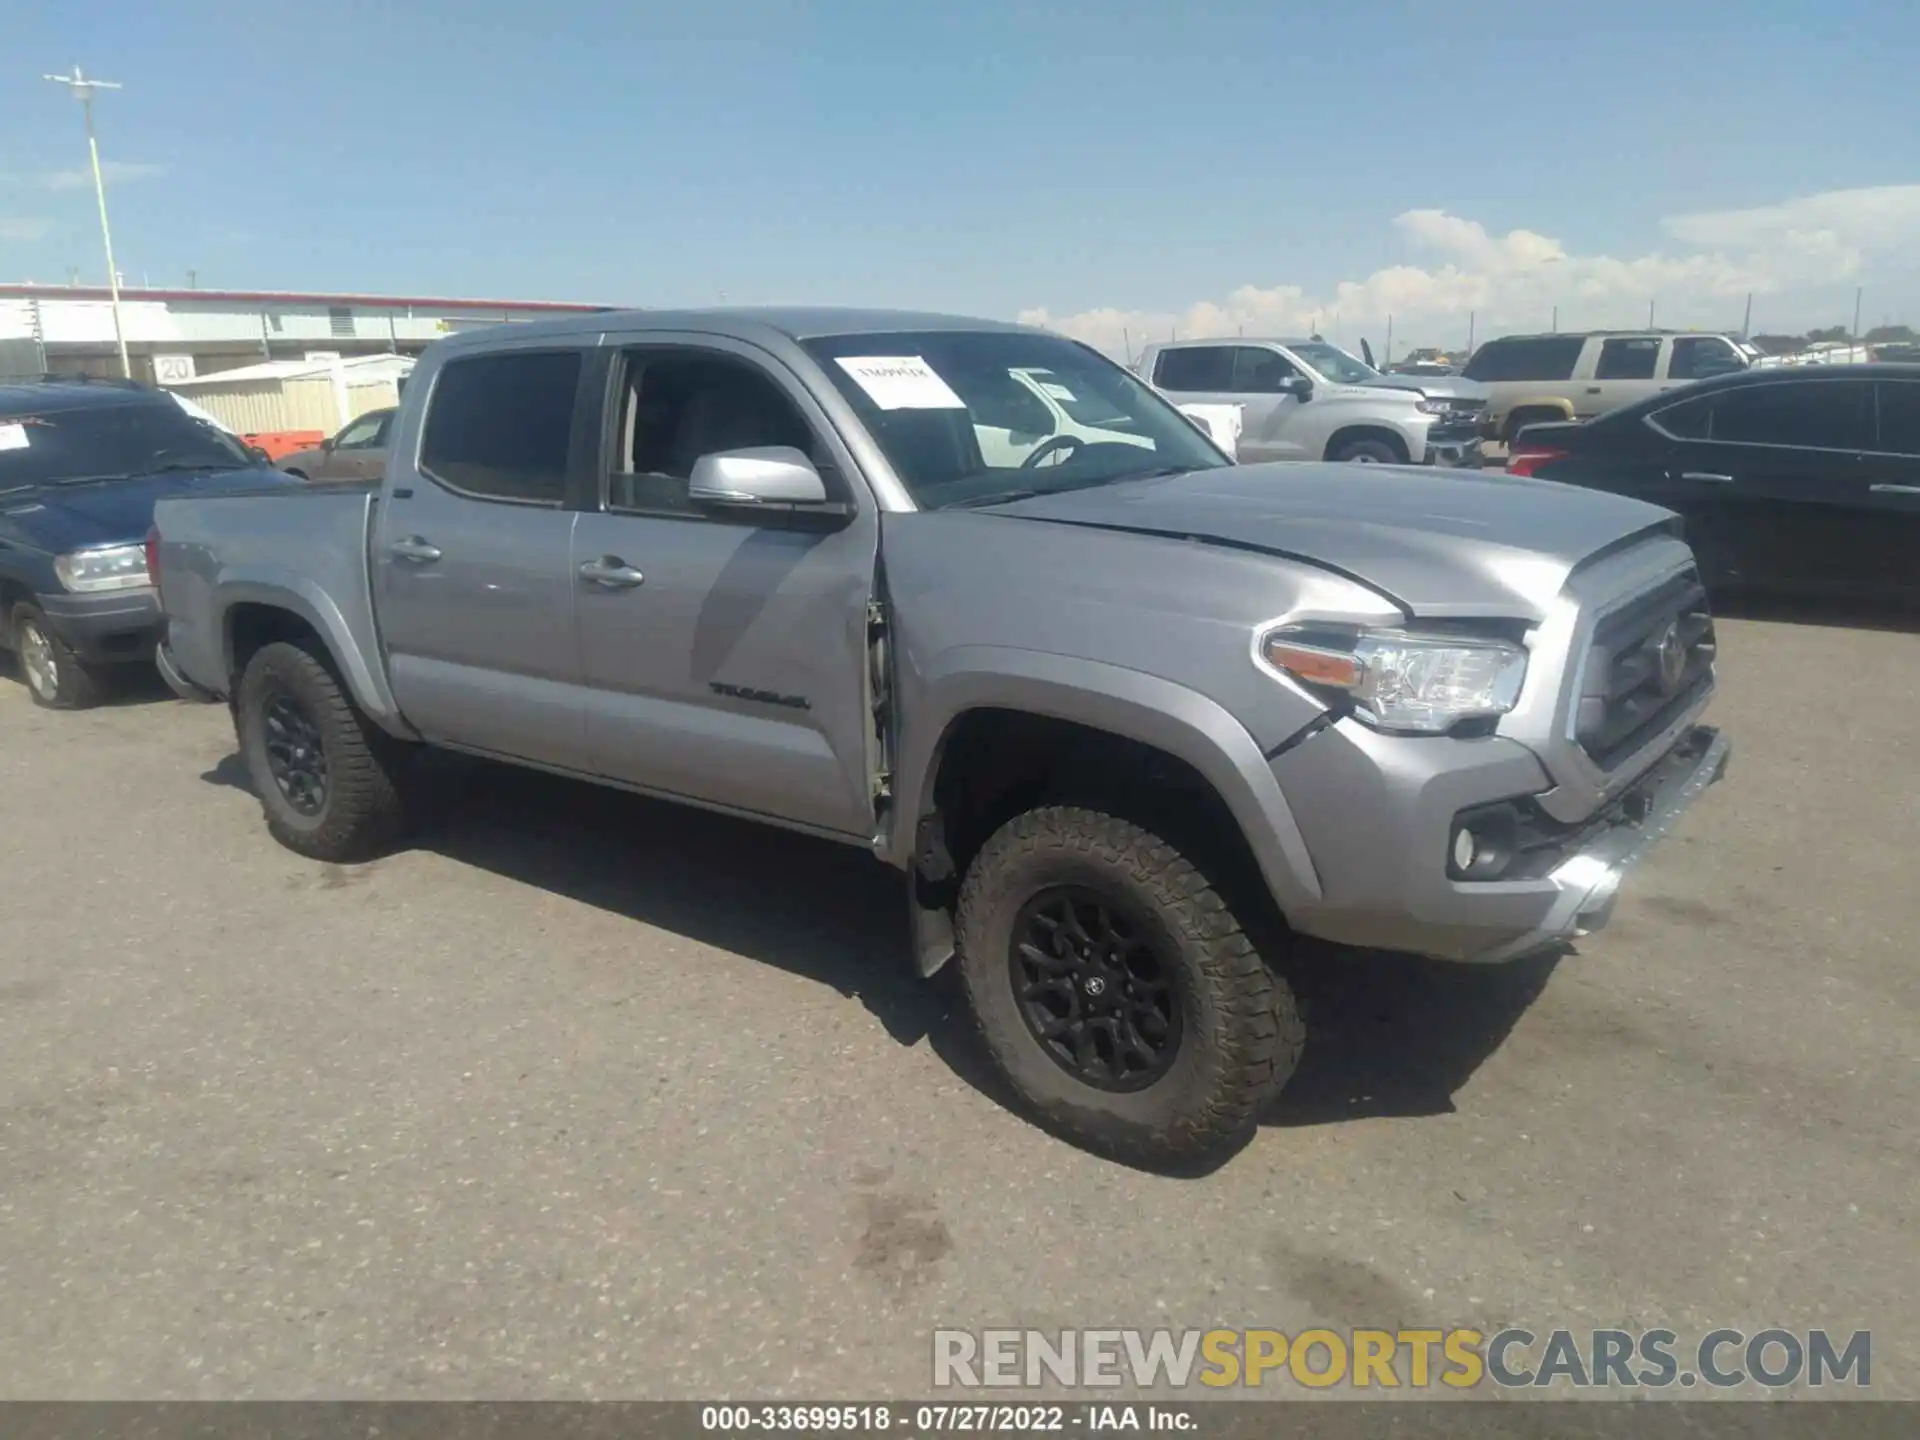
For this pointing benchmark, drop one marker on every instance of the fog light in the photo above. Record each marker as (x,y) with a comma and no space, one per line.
(1464,850)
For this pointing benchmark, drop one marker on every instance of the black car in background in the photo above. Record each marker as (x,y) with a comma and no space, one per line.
(1790,480)
(81,465)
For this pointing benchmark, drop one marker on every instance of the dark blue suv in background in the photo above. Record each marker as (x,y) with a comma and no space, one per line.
(81,464)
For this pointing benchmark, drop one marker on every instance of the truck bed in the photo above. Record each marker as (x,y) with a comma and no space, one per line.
(302,548)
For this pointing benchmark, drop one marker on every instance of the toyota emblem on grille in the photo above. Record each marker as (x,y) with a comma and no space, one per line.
(1670,659)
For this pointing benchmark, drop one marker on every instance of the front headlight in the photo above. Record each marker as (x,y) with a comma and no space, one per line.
(114,567)
(1400,680)
(1434,407)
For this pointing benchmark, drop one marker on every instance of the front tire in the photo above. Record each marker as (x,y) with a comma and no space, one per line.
(1367,452)
(325,774)
(56,678)
(1116,991)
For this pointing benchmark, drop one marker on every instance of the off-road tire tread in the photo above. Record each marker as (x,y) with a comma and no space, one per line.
(366,807)
(1264,1033)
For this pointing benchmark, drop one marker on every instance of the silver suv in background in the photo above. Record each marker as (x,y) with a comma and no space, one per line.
(1309,400)
(1535,379)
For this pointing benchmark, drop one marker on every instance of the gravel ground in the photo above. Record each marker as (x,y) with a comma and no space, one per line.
(587,1096)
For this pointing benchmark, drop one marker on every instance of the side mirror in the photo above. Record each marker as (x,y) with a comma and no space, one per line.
(772,475)
(1298,386)
(327,445)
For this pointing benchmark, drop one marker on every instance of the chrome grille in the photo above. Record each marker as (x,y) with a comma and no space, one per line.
(1649,660)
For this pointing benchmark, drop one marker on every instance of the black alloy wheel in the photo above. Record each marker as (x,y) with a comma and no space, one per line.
(1094,989)
(296,755)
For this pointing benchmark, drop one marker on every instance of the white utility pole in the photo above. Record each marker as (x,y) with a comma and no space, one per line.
(83,89)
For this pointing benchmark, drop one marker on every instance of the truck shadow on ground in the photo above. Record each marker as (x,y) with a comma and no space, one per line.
(1388,1035)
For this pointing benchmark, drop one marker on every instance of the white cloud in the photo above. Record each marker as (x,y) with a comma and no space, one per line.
(112,171)
(24,227)
(1517,279)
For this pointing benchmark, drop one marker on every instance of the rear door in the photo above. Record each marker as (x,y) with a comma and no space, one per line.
(1778,467)
(728,660)
(1892,564)
(1623,372)
(472,557)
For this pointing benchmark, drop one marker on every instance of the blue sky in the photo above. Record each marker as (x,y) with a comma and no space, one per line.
(991,157)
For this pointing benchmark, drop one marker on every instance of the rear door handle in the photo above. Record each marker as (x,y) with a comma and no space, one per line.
(1896,489)
(415,549)
(610,572)
(1706,477)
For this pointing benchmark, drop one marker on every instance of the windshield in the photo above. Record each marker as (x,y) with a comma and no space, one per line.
(1335,364)
(973,416)
(98,442)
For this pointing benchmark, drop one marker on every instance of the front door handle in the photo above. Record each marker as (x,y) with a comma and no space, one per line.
(415,549)
(610,572)
(1706,477)
(1896,489)
(1593,389)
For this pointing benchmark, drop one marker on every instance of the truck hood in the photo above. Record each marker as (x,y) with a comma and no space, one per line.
(1458,543)
(1440,387)
(58,518)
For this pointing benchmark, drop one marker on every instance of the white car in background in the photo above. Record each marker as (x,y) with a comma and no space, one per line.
(1043,412)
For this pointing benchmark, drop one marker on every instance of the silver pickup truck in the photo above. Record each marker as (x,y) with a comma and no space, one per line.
(1126,716)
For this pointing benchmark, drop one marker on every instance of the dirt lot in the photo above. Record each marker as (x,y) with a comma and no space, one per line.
(588,1096)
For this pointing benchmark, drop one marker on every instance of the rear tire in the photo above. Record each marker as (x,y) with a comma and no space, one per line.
(1228,1030)
(325,774)
(56,678)
(1367,452)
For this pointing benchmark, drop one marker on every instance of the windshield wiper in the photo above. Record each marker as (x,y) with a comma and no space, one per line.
(992,497)
(177,465)
(168,468)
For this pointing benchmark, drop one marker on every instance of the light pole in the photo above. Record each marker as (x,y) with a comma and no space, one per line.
(83,89)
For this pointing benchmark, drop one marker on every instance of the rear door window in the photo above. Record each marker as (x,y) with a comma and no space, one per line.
(1809,414)
(1689,420)
(1532,357)
(1195,368)
(1627,359)
(499,426)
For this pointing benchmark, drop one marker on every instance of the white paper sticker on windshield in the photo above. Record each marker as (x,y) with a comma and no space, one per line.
(900,382)
(13,437)
(1056,390)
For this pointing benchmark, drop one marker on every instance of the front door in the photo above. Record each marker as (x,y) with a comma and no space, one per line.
(1267,411)
(725,655)
(472,561)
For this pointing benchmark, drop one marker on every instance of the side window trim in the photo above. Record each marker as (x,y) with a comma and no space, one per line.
(844,484)
(1712,439)
(584,349)
(1880,390)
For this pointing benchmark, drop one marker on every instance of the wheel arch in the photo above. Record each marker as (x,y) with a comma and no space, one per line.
(1538,410)
(1385,434)
(257,612)
(1072,718)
